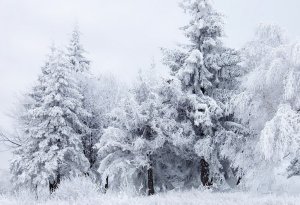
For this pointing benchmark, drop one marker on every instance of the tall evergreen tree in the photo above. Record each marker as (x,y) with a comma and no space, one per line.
(81,65)
(53,148)
(76,52)
(206,69)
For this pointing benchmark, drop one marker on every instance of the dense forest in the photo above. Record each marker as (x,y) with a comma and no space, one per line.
(222,119)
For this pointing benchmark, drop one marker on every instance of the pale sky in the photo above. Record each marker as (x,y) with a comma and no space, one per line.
(121,36)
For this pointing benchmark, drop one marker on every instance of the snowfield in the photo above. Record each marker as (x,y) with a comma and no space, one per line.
(171,198)
(82,191)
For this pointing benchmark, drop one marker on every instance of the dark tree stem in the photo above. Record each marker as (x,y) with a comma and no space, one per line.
(150,181)
(205,173)
(54,185)
(106,184)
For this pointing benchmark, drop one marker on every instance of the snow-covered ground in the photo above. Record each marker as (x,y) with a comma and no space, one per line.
(82,191)
(171,198)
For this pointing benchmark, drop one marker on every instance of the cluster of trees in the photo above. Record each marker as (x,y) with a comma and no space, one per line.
(222,118)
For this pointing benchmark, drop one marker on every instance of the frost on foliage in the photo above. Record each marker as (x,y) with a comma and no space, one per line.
(100,95)
(294,167)
(76,188)
(275,76)
(205,25)
(148,123)
(204,148)
(190,71)
(205,62)
(204,65)
(132,135)
(268,105)
(207,72)
(53,147)
(280,137)
(86,83)
(270,35)
(76,52)
(267,37)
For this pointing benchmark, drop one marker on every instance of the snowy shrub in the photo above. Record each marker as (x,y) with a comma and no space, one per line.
(75,188)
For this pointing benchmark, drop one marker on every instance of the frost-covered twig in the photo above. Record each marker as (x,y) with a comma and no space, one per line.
(9,141)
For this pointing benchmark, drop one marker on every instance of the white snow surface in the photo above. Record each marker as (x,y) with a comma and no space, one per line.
(194,197)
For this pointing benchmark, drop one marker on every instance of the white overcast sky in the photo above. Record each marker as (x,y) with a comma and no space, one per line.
(121,36)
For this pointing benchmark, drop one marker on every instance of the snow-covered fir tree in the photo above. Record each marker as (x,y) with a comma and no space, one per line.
(207,71)
(76,53)
(86,82)
(53,149)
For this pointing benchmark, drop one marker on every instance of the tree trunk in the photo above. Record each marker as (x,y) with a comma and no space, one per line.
(54,185)
(239,181)
(106,184)
(150,182)
(204,166)
(36,192)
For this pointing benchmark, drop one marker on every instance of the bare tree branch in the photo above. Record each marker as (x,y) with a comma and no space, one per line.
(9,140)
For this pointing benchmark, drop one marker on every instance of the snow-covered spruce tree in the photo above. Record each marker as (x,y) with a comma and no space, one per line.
(76,53)
(207,70)
(53,148)
(86,83)
(269,105)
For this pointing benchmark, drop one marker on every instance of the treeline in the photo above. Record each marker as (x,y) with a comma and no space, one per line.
(222,119)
